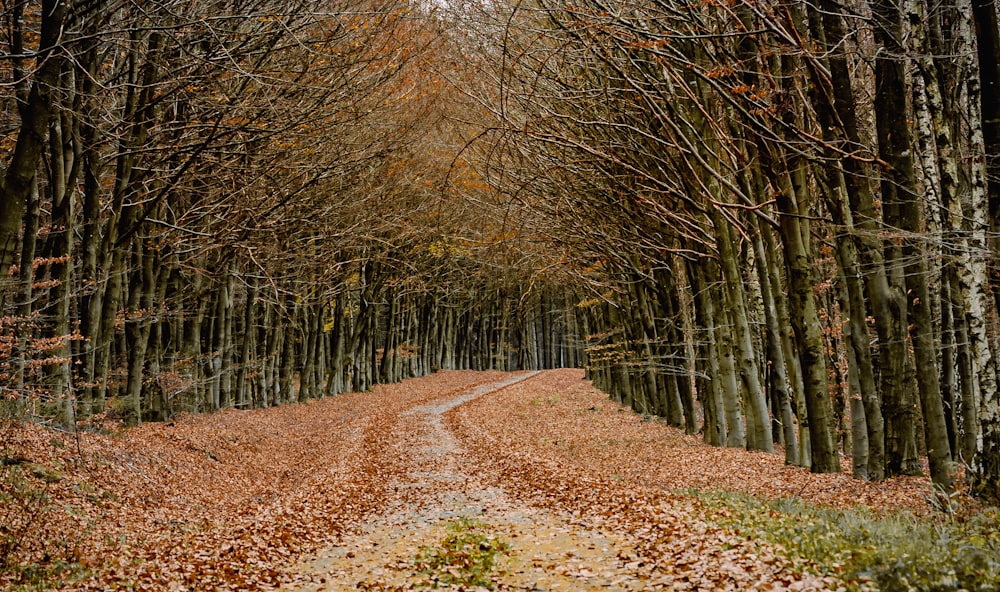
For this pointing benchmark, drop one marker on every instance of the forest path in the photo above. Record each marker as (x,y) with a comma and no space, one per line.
(345,492)
(435,493)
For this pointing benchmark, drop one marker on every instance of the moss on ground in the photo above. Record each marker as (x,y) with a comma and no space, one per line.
(467,556)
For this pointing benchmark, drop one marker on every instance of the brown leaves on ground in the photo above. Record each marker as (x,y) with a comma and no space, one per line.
(230,500)
(557,442)
(220,501)
(561,420)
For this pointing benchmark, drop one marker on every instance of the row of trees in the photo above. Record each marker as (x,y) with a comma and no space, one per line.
(794,203)
(211,204)
(771,222)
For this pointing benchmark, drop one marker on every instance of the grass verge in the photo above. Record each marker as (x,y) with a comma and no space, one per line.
(892,553)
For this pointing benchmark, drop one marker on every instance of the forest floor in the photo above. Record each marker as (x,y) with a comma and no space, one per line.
(477,480)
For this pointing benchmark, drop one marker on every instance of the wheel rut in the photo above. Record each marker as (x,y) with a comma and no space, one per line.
(431,491)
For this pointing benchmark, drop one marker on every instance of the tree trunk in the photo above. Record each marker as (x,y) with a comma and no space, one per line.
(685,346)
(62,171)
(335,371)
(987,30)
(672,354)
(728,379)
(286,355)
(137,329)
(25,299)
(758,419)
(860,424)
(775,355)
(272,351)
(856,331)
(249,334)
(808,337)
(157,403)
(986,465)
(899,190)
(222,347)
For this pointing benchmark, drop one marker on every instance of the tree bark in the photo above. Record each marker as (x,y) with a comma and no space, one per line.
(758,419)
(137,329)
(899,190)
(986,465)
(775,355)
(25,299)
(710,385)
(808,336)
(63,166)
(727,376)
(858,340)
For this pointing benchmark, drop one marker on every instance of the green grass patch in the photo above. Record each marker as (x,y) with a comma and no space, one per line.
(893,553)
(467,556)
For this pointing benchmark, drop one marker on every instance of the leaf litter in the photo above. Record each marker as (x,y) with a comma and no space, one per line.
(343,493)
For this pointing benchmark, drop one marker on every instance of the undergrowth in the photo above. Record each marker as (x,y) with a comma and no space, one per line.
(893,553)
(467,556)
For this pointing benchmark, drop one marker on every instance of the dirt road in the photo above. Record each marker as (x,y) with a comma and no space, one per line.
(435,491)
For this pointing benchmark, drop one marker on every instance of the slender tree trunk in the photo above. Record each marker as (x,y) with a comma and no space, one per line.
(671,352)
(987,31)
(335,373)
(986,464)
(666,403)
(137,329)
(389,344)
(91,290)
(527,349)
(808,336)
(758,419)
(623,390)
(686,337)
(860,428)
(307,354)
(249,333)
(858,339)
(775,354)
(223,341)
(25,282)
(271,344)
(63,166)
(729,421)
(157,404)
(286,357)
(950,370)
